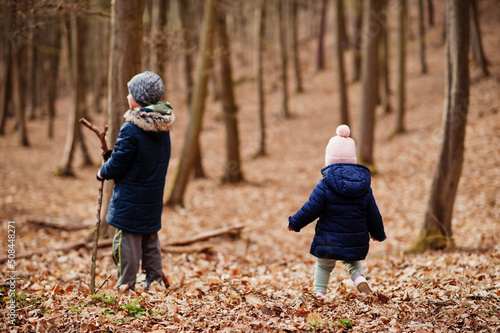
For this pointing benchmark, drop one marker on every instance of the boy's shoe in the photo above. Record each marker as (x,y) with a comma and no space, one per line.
(362,285)
(320,294)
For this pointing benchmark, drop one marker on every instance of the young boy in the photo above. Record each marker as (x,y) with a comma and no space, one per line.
(138,165)
(347,212)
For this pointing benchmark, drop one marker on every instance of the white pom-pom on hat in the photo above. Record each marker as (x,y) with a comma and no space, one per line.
(343,131)
(341,148)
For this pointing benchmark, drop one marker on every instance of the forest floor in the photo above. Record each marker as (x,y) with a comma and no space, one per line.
(261,280)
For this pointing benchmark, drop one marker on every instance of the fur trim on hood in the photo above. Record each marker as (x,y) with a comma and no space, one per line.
(150,121)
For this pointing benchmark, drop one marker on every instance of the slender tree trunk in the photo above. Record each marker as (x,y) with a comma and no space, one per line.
(197,104)
(476,43)
(260,27)
(357,29)
(421,36)
(232,170)
(339,59)
(53,59)
(437,228)
(320,57)
(384,61)
(5,70)
(401,69)
(97,51)
(30,67)
(369,94)
(430,10)
(282,14)
(295,48)
(17,54)
(125,62)
(158,36)
(73,137)
(187,31)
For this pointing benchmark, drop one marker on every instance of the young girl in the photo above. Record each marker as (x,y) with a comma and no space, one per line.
(347,211)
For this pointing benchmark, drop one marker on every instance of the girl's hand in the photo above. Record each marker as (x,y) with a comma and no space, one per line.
(289,229)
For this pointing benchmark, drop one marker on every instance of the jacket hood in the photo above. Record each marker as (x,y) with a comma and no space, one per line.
(347,179)
(153,118)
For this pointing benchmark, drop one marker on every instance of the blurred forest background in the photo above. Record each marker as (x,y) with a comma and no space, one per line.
(258,88)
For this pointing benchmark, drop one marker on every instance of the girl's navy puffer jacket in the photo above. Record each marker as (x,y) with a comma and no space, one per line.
(138,165)
(347,211)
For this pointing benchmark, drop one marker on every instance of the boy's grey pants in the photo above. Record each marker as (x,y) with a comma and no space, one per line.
(129,249)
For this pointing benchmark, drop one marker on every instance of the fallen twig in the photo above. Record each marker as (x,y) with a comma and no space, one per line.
(234,288)
(230,230)
(168,246)
(59,223)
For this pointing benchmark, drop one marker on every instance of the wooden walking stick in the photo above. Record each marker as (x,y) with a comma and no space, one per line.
(102,137)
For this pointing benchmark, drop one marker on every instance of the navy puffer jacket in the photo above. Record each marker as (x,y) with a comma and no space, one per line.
(347,212)
(138,165)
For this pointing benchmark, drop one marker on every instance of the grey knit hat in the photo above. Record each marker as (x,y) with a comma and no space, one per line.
(146,88)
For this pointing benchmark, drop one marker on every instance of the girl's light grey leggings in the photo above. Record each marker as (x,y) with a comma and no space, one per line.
(324,268)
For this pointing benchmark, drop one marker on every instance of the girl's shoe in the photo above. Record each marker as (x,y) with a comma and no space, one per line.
(362,285)
(320,294)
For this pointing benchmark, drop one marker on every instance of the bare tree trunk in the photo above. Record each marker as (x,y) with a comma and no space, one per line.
(282,14)
(30,66)
(260,27)
(320,58)
(369,94)
(197,105)
(358,20)
(187,31)
(421,36)
(339,59)
(295,48)
(97,50)
(73,137)
(125,62)
(437,228)
(158,36)
(401,69)
(476,43)
(232,170)
(430,10)
(54,38)
(17,54)
(5,69)
(384,61)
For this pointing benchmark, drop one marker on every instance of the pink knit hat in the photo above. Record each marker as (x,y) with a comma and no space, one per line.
(341,148)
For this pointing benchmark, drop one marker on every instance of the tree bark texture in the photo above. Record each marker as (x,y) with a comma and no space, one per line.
(232,169)
(295,48)
(18,49)
(369,88)
(437,228)
(197,105)
(187,35)
(260,28)
(384,61)
(339,60)
(282,15)
(320,57)
(421,36)
(73,136)
(158,36)
(476,42)
(401,69)
(356,37)
(125,62)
